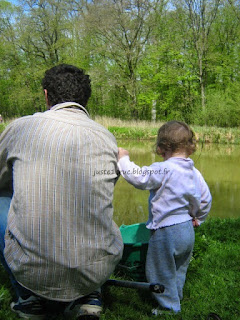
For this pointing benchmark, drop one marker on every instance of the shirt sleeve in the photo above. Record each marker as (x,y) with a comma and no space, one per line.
(206,199)
(145,178)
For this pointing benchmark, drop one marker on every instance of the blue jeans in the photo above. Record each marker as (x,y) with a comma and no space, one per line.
(5,202)
(168,256)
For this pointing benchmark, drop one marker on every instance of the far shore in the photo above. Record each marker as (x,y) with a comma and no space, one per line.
(147,130)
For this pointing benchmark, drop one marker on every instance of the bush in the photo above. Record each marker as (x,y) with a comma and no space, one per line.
(222,110)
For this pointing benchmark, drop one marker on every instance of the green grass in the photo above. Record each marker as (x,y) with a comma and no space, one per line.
(212,283)
(133,132)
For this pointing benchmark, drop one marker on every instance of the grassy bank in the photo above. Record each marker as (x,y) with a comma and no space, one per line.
(212,281)
(146,130)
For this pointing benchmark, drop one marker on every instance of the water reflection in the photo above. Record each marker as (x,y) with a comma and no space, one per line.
(219,164)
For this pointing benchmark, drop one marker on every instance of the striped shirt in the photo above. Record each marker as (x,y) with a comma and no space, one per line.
(61,241)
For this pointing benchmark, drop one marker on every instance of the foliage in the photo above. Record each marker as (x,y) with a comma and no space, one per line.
(179,59)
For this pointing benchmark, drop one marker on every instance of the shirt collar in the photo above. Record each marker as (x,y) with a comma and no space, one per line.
(67,105)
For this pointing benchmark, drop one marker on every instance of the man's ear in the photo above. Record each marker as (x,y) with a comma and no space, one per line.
(46,98)
(159,151)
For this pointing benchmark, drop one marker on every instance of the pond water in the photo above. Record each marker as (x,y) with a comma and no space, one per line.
(219,164)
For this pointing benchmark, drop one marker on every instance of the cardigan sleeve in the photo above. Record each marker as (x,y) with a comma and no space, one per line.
(145,178)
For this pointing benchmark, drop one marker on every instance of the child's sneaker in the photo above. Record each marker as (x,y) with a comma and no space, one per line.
(32,307)
(87,307)
(163,312)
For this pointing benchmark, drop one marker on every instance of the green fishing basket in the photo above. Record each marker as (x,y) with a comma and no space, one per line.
(135,239)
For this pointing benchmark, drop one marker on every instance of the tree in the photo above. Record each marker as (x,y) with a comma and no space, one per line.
(37,34)
(43,30)
(9,58)
(224,61)
(178,57)
(235,4)
(121,30)
(197,25)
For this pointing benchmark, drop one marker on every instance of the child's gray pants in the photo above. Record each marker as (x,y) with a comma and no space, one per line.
(169,252)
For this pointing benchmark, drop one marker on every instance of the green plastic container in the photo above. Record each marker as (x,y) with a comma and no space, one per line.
(135,239)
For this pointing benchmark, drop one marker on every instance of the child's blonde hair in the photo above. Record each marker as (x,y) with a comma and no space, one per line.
(174,136)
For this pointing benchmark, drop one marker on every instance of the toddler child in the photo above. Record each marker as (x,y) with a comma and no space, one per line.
(179,200)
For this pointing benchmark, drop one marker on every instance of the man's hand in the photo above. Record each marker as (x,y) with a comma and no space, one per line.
(122,152)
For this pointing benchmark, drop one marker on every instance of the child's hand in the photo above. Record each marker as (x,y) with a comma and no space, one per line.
(122,152)
(195,223)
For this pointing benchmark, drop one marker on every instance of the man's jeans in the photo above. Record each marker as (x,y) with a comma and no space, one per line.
(5,201)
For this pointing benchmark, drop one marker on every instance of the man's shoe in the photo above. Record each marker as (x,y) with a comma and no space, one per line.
(87,307)
(31,307)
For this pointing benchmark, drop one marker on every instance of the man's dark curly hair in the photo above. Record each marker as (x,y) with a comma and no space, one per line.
(175,136)
(66,83)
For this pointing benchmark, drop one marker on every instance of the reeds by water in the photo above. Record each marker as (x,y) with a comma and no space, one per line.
(147,130)
(142,129)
